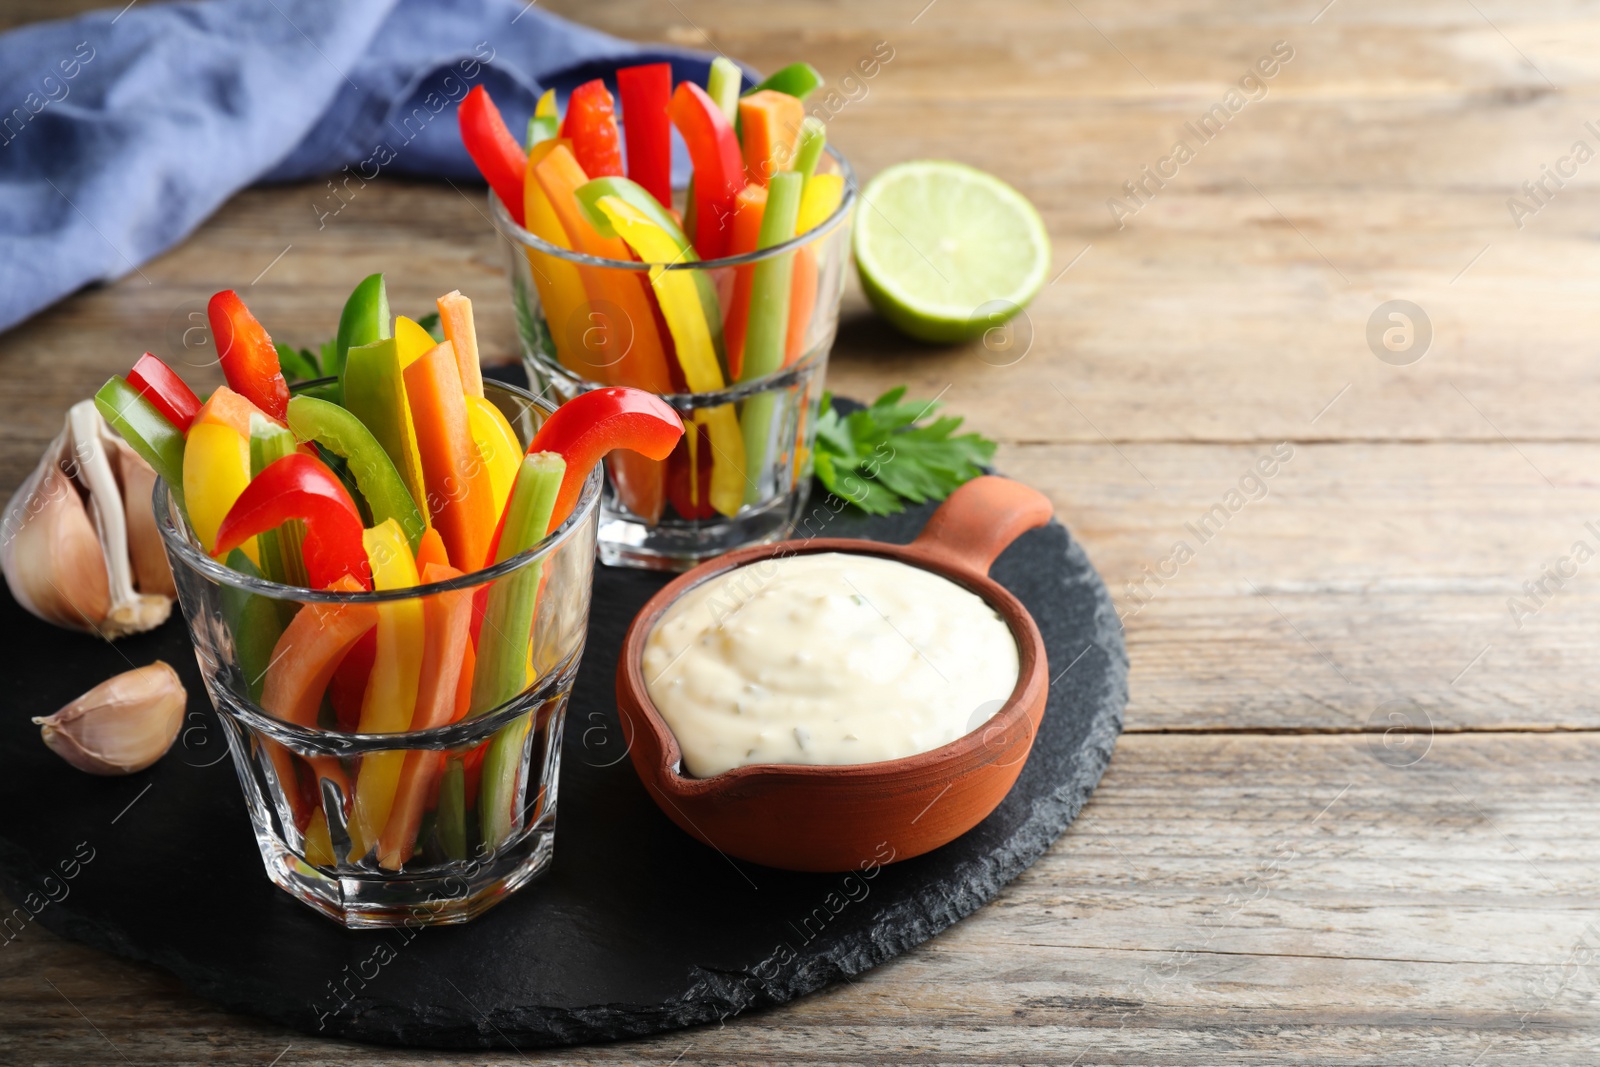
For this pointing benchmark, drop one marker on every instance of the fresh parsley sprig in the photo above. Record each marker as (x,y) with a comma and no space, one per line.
(304,365)
(886,454)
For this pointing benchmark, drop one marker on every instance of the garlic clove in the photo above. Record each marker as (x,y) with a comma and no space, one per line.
(60,574)
(122,725)
(56,581)
(151,571)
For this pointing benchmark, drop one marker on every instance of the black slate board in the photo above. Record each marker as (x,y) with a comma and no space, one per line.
(636,928)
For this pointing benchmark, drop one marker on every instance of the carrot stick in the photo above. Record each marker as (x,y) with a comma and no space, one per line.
(447,620)
(802,299)
(431,550)
(770,121)
(749,206)
(455,315)
(460,498)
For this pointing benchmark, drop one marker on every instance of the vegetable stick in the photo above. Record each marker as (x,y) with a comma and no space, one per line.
(451,825)
(646,129)
(430,549)
(391,697)
(216,468)
(802,302)
(641,363)
(493,149)
(497,446)
(591,126)
(455,315)
(342,433)
(224,407)
(770,123)
(808,150)
(769,321)
(750,205)
(460,496)
(375,392)
(502,668)
(447,619)
(561,288)
(411,339)
(723,81)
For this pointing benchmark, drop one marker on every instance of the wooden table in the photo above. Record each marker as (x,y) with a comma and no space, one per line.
(1271,870)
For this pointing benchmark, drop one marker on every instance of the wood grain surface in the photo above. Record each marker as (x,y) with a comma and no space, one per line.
(1269,872)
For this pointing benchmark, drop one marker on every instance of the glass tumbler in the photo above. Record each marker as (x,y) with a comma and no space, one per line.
(415,827)
(742,472)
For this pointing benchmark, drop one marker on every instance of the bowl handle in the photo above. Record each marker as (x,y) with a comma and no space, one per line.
(978,522)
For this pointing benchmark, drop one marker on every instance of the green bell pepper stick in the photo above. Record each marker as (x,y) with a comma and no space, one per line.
(146,430)
(798,80)
(279,548)
(374,391)
(451,826)
(256,623)
(722,86)
(365,319)
(808,150)
(502,670)
(769,321)
(341,433)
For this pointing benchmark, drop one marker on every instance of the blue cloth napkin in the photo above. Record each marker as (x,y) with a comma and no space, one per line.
(120,132)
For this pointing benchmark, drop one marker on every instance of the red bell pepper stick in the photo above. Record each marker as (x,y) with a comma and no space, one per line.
(591,424)
(158,384)
(497,153)
(645,91)
(249,359)
(301,487)
(591,125)
(718,166)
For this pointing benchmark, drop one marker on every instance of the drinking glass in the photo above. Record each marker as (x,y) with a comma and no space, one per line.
(417,827)
(742,472)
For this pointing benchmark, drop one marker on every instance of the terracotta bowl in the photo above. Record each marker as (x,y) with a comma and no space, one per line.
(807,818)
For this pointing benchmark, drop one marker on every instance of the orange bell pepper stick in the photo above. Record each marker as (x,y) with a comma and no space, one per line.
(460,498)
(447,624)
(641,363)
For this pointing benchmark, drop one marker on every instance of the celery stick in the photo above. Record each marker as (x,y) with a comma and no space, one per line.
(451,826)
(769,321)
(255,622)
(280,548)
(808,150)
(722,86)
(502,670)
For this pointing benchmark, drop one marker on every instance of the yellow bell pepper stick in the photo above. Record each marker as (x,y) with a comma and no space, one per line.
(819,198)
(413,340)
(546,107)
(679,298)
(561,291)
(391,696)
(497,445)
(216,468)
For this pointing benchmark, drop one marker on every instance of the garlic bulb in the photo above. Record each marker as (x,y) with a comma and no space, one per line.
(79,544)
(122,725)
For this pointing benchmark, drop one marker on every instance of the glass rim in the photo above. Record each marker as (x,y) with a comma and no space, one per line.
(179,546)
(472,730)
(782,378)
(508,227)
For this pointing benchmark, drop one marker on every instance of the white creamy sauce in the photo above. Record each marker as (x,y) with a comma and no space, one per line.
(829,658)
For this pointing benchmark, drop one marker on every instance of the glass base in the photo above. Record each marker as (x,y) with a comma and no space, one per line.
(441,897)
(679,544)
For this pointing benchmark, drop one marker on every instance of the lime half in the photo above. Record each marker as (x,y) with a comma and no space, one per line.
(946,251)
